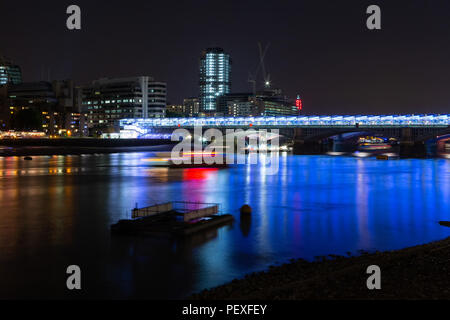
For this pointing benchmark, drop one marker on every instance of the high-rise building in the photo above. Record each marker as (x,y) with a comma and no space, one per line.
(108,100)
(9,73)
(215,78)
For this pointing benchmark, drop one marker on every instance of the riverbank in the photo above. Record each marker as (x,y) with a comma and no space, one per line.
(62,151)
(420,272)
(74,146)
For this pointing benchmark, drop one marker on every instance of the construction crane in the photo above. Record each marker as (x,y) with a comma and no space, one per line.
(262,54)
(252,78)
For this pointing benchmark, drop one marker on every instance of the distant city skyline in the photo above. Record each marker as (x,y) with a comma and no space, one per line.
(319,49)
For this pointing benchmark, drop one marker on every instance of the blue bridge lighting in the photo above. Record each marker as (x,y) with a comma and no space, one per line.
(414,121)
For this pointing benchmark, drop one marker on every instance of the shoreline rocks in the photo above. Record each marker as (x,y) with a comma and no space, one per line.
(419,272)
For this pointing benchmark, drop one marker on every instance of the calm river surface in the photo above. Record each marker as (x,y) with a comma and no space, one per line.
(56,211)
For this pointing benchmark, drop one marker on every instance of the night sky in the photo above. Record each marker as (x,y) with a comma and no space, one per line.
(319,49)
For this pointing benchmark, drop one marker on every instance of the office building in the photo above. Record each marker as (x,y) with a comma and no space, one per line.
(4,110)
(215,78)
(236,104)
(175,110)
(157,95)
(271,102)
(108,100)
(44,106)
(263,103)
(191,107)
(9,73)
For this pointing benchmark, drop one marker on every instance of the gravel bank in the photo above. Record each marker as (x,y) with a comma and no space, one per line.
(420,272)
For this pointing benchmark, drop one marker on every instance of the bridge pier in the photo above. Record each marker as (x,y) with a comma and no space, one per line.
(409,148)
(412,149)
(308,147)
(305,146)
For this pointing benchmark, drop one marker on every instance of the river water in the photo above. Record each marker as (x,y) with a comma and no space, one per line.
(56,211)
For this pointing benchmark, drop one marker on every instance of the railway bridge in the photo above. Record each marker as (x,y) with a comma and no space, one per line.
(311,133)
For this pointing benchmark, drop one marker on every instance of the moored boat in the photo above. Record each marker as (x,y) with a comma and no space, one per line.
(172,218)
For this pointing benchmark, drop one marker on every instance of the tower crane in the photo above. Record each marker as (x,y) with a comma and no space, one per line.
(252,78)
(262,54)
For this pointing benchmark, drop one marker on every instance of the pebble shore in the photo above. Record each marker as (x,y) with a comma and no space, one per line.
(420,272)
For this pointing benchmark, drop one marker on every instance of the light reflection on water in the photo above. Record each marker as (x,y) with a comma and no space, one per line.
(56,211)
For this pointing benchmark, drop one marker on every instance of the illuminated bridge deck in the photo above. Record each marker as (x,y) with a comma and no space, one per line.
(393,121)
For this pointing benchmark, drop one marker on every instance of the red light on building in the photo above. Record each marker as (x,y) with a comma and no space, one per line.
(298,103)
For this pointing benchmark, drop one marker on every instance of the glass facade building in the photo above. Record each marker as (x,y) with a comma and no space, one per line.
(215,78)
(9,73)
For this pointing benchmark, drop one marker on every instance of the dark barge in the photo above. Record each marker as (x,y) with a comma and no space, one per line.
(172,218)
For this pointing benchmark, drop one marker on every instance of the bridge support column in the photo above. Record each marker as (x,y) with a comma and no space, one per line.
(308,147)
(410,148)
(298,134)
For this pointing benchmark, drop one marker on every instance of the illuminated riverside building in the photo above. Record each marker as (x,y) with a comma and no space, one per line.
(9,73)
(263,103)
(175,110)
(191,107)
(273,103)
(108,100)
(236,104)
(215,78)
(50,105)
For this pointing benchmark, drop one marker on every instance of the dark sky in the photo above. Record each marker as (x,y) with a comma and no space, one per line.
(318,48)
